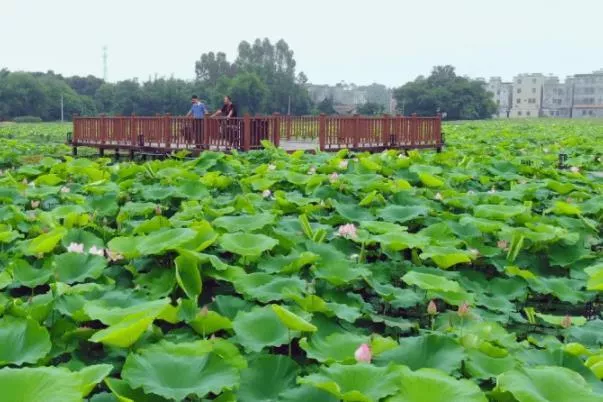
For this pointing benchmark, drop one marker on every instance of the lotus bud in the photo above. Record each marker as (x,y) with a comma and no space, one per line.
(575,169)
(204,311)
(158,210)
(363,354)
(463,310)
(266,193)
(333,177)
(114,256)
(492,190)
(432,308)
(566,322)
(312,170)
(438,197)
(474,252)
(65,190)
(35,204)
(470,192)
(272,166)
(25,181)
(343,164)
(502,244)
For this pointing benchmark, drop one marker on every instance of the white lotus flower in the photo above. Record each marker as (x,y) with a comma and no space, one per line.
(35,204)
(492,191)
(96,251)
(77,248)
(333,177)
(348,231)
(575,169)
(114,256)
(65,190)
(312,170)
(438,197)
(266,193)
(272,166)
(343,164)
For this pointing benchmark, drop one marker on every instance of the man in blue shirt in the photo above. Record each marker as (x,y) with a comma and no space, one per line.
(197,111)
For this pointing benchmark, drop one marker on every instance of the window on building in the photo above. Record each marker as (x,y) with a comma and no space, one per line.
(518,100)
(533,80)
(518,113)
(533,90)
(519,81)
(498,92)
(518,90)
(584,113)
(589,91)
(590,113)
(528,113)
(552,113)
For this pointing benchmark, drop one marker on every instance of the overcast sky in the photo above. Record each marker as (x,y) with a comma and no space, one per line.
(385,41)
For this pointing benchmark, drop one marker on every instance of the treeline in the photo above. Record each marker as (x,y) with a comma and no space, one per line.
(262,79)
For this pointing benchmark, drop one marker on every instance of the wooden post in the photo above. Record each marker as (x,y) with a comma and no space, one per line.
(103,128)
(167,130)
(414,129)
(322,132)
(288,130)
(133,133)
(246,132)
(438,133)
(203,140)
(277,129)
(385,131)
(356,130)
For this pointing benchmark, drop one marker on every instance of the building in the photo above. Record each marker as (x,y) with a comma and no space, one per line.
(557,97)
(502,94)
(527,95)
(588,95)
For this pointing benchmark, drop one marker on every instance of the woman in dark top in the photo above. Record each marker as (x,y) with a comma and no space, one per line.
(228,110)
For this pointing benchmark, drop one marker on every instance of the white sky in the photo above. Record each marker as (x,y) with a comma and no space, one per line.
(385,41)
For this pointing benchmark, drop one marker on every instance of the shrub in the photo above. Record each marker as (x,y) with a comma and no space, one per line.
(27,119)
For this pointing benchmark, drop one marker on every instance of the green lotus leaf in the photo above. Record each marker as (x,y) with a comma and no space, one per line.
(427,351)
(74,267)
(22,341)
(379,227)
(557,319)
(552,384)
(400,214)
(210,322)
(81,236)
(64,211)
(281,372)
(430,180)
(563,208)
(259,328)
(244,223)
(188,276)
(399,240)
(176,371)
(498,212)
(89,376)
(112,309)
(353,212)
(162,241)
(428,385)
(246,244)
(337,347)
(36,384)
(206,236)
(44,243)
(158,283)
(306,393)
(358,383)
(26,275)
(484,225)
(292,320)
(446,257)
(431,282)
(480,365)
(122,392)
(125,332)
(7,235)
(266,288)
(291,263)
(126,246)
(595,280)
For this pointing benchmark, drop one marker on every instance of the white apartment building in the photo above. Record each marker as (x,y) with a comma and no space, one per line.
(502,94)
(527,95)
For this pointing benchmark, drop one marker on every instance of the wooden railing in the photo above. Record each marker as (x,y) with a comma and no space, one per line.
(170,133)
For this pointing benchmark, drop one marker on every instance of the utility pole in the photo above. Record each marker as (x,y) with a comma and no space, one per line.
(62,114)
(289,107)
(105,76)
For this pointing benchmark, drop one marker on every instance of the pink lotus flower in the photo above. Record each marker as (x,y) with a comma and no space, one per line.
(502,244)
(114,256)
(343,164)
(65,190)
(438,197)
(348,231)
(575,169)
(333,177)
(96,251)
(266,193)
(77,248)
(272,166)
(432,308)
(158,210)
(35,204)
(463,310)
(363,354)
(566,322)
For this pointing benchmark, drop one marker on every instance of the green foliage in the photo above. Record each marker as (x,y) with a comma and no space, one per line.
(178,280)
(443,91)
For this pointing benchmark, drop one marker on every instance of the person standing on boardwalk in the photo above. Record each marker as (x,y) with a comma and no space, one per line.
(198,111)
(230,131)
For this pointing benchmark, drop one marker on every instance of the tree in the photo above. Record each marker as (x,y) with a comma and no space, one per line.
(443,91)
(326,106)
(212,66)
(249,92)
(371,109)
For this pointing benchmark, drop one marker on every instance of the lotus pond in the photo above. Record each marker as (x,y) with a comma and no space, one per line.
(472,275)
